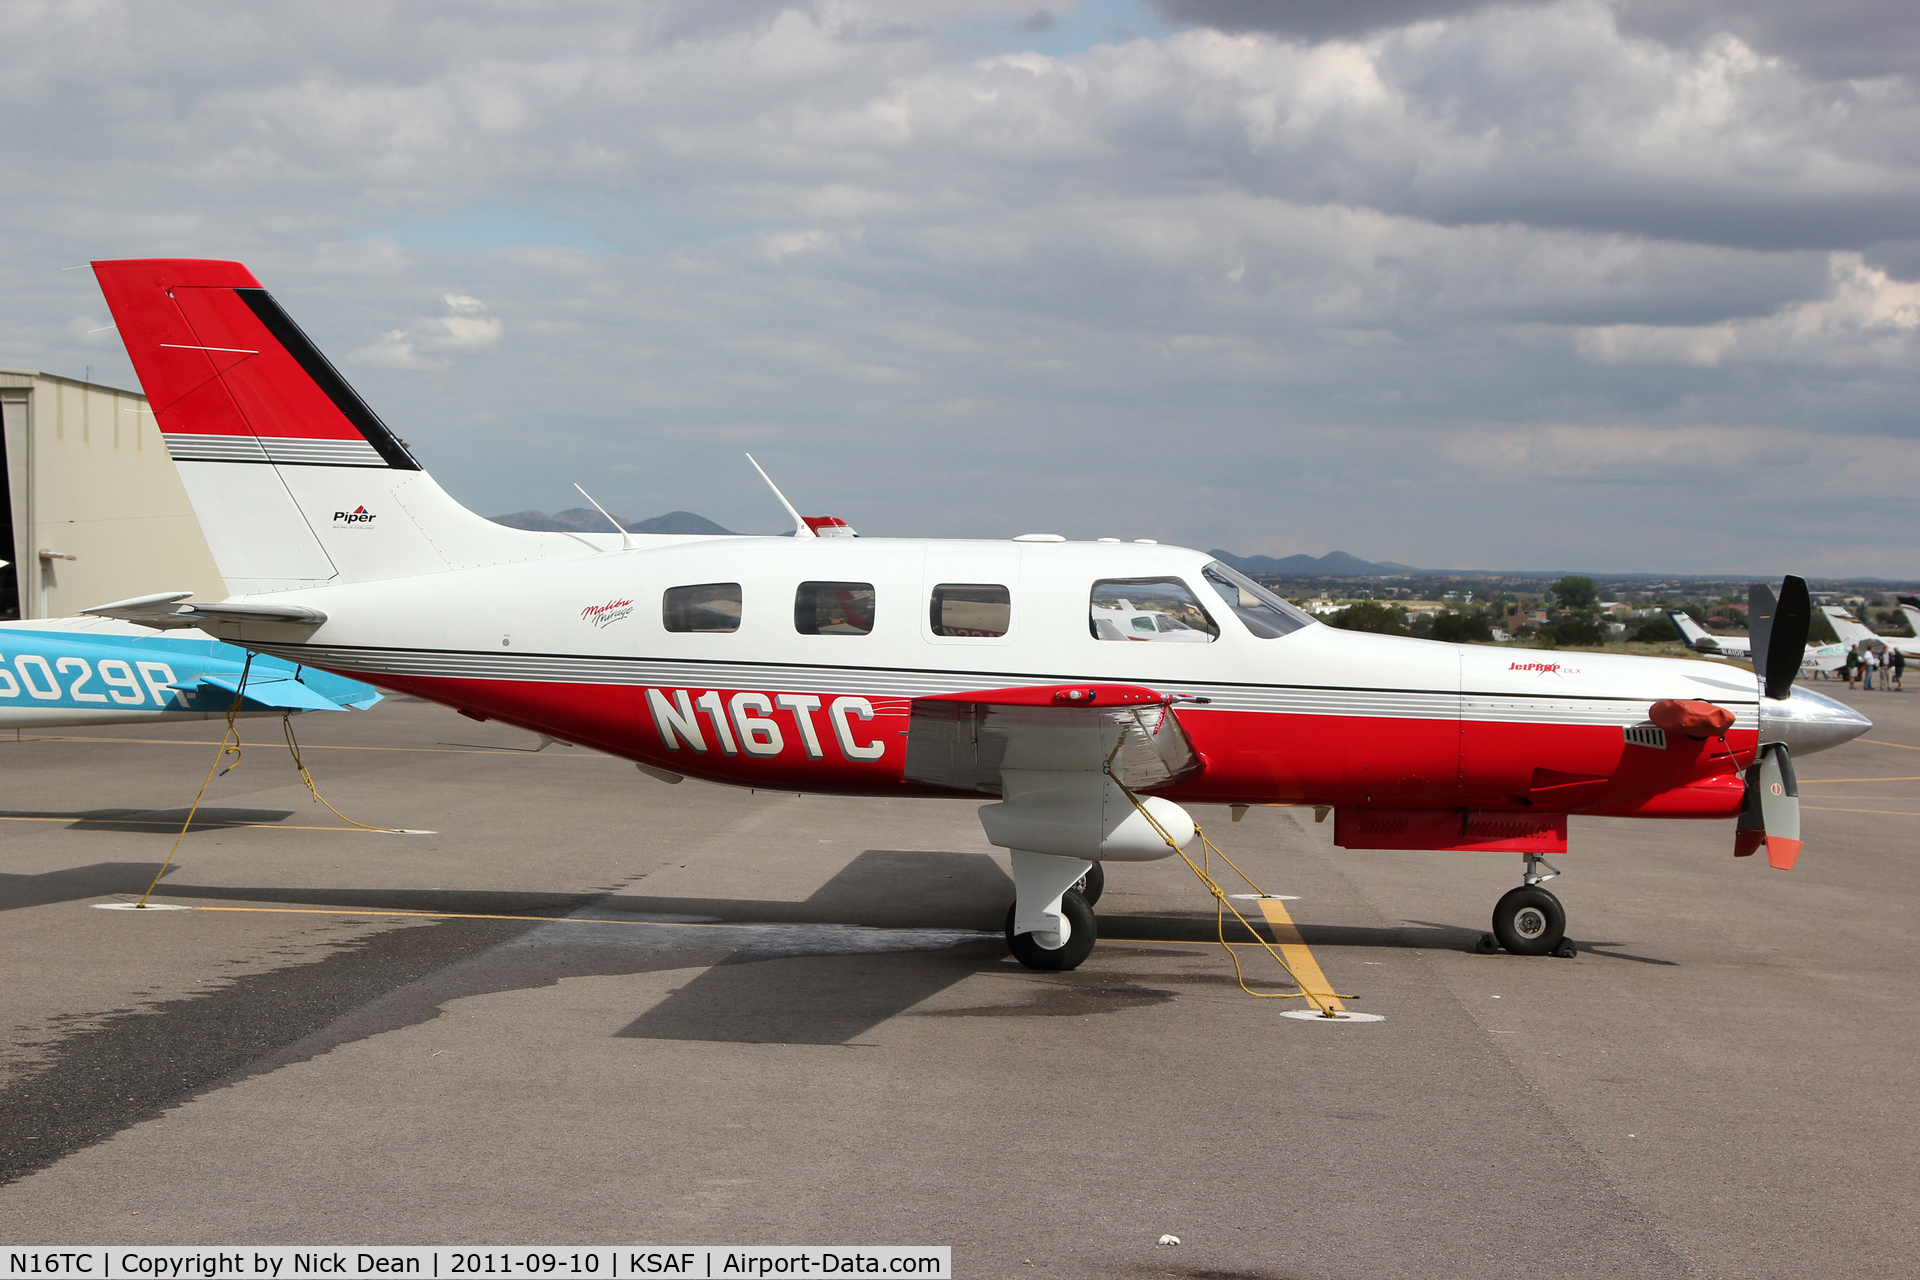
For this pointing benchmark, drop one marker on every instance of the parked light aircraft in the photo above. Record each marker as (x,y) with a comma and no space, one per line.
(62,672)
(1824,658)
(920,667)
(1853,632)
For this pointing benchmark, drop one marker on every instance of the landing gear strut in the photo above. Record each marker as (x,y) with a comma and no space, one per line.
(1093,884)
(1529,921)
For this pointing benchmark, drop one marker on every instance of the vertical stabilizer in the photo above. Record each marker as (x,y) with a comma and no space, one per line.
(1692,632)
(1849,628)
(295,480)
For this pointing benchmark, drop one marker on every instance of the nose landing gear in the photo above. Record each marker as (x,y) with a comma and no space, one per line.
(1529,921)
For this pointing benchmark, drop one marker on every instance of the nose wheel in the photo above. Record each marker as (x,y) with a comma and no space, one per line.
(1529,920)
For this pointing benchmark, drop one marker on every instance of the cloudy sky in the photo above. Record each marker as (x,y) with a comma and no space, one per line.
(1608,286)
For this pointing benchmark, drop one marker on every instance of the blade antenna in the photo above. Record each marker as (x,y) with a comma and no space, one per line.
(626,541)
(801,529)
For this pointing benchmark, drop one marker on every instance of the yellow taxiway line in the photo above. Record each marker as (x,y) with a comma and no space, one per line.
(1299,957)
(1814,782)
(1903,746)
(1829,808)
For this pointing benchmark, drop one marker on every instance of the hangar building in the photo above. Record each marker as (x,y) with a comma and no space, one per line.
(93,510)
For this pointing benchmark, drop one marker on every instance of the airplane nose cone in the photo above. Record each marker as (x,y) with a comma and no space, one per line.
(1808,722)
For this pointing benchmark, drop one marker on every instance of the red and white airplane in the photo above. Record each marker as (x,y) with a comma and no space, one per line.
(1009,669)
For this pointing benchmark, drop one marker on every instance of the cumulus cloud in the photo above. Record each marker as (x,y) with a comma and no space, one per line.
(432,342)
(970,272)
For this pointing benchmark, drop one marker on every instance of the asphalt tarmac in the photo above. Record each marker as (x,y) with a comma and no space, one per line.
(691,1014)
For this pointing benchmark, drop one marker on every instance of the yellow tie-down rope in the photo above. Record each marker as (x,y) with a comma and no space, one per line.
(1221,905)
(293,747)
(230,746)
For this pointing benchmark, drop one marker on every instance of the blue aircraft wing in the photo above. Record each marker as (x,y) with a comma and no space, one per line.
(275,692)
(53,674)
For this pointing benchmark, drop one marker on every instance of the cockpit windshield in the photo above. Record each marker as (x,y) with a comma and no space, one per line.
(1266,614)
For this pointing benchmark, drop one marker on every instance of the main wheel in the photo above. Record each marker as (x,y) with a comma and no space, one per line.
(1093,884)
(1529,921)
(1080,939)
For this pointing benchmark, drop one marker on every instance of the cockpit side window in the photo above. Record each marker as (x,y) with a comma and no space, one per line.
(1266,614)
(1155,610)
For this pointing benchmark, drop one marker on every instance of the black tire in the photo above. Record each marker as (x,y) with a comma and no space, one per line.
(1529,921)
(1092,884)
(1079,942)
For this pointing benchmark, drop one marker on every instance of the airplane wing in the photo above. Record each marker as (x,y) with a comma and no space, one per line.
(268,693)
(964,740)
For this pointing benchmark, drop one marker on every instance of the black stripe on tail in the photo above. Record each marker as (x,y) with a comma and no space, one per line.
(328,379)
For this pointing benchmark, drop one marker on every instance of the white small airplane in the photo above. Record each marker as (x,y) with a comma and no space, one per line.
(1116,618)
(904,667)
(1853,632)
(1822,658)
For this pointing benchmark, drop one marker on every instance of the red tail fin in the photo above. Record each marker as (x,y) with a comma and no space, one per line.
(230,377)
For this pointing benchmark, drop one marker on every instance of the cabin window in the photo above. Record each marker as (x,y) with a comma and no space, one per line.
(709,607)
(833,608)
(1154,610)
(970,609)
(1266,614)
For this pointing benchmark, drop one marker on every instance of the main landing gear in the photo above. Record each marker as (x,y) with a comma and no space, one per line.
(1529,921)
(1076,904)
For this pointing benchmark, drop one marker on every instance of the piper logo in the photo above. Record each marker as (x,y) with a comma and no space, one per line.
(347,519)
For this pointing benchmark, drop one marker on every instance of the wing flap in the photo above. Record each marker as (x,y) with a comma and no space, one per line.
(964,740)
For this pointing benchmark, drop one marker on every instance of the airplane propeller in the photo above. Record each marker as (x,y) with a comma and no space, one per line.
(1771,815)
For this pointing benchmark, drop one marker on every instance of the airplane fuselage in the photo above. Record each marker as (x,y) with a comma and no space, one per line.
(577,649)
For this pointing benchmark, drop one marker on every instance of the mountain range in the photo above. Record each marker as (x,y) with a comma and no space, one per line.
(587,520)
(1335,564)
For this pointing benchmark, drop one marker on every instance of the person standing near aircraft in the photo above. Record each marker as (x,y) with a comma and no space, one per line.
(1852,666)
(1868,661)
(1899,669)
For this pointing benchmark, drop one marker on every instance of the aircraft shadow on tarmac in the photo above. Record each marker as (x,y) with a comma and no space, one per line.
(207,818)
(891,930)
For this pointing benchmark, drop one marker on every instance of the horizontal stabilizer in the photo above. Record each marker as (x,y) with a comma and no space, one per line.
(238,612)
(163,612)
(166,612)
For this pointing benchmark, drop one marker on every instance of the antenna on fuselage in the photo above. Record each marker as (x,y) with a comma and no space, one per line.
(626,542)
(801,529)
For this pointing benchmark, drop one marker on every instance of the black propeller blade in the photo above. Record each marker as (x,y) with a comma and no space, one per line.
(1778,631)
(1761,606)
